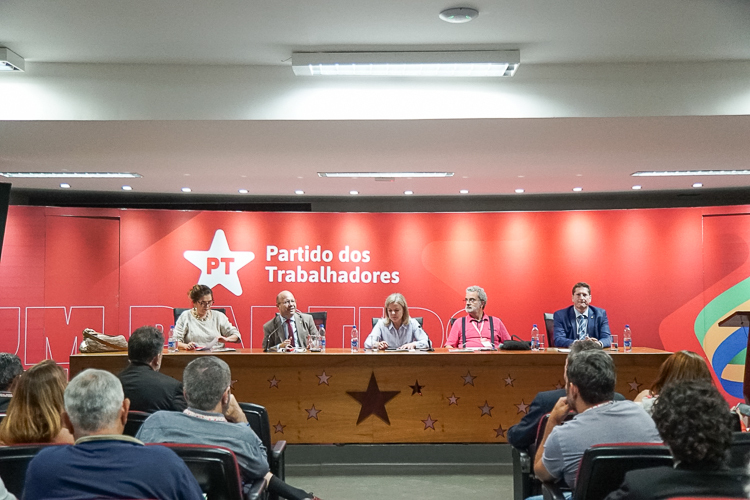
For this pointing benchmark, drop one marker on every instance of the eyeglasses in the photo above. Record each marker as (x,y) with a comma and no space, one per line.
(471,301)
(205,303)
(231,384)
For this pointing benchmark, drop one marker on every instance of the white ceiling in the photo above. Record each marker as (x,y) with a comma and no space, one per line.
(201,94)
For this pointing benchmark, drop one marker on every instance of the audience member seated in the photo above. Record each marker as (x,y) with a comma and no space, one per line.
(10,369)
(694,421)
(523,434)
(4,493)
(397,329)
(104,463)
(201,325)
(590,388)
(682,365)
(214,417)
(146,388)
(34,414)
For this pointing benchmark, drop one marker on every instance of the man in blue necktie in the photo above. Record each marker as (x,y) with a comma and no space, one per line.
(581,321)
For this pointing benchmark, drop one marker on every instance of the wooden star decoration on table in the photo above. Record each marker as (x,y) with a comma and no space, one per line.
(416,388)
(486,409)
(323,379)
(499,432)
(453,399)
(509,381)
(522,407)
(559,385)
(312,412)
(274,382)
(468,378)
(634,385)
(373,401)
(279,428)
(429,423)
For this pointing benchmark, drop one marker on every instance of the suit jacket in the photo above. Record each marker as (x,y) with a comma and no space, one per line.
(659,483)
(566,326)
(149,390)
(274,332)
(523,434)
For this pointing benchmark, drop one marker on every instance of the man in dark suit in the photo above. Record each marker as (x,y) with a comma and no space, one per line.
(523,434)
(693,419)
(581,320)
(147,389)
(289,329)
(10,369)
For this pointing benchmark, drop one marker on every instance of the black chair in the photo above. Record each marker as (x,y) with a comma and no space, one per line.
(14,460)
(320,318)
(135,420)
(419,319)
(603,468)
(177,311)
(739,450)
(217,472)
(257,416)
(549,325)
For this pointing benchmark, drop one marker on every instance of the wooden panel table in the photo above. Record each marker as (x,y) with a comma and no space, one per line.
(389,397)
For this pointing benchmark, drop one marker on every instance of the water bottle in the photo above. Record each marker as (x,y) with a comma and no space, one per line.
(322,333)
(171,342)
(627,341)
(355,339)
(534,338)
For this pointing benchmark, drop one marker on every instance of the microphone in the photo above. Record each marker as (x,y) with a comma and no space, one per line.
(274,331)
(429,345)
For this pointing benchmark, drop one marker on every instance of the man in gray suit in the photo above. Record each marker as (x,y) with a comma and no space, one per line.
(289,329)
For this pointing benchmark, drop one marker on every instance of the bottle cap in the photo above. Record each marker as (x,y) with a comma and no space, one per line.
(534,325)
(627,326)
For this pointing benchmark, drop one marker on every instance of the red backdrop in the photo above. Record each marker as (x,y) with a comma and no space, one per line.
(114,270)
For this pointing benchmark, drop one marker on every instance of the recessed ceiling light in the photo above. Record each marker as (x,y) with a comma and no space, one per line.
(577,189)
(636,187)
(698,185)
(384,174)
(72,175)
(519,190)
(65,185)
(464,191)
(459,15)
(299,191)
(186,190)
(10,61)
(408,192)
(243,191)
(127,188)
(353,192)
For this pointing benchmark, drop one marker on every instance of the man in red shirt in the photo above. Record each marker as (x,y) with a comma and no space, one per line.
(477,330)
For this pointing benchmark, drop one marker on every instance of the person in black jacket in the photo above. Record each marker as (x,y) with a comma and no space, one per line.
(694,420)
(147,389)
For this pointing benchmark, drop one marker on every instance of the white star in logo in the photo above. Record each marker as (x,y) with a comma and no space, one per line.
(219,265)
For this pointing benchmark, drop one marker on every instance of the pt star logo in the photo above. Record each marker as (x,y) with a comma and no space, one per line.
(219,265)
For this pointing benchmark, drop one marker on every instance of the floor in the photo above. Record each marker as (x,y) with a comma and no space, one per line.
(433,487)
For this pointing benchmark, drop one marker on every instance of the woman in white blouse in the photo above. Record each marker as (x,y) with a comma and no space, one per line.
(201,325)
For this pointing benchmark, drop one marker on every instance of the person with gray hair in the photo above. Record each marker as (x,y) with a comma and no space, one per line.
(10,369)
(477,329)
(214,418)
(146,388)
(103,463)
(590,387)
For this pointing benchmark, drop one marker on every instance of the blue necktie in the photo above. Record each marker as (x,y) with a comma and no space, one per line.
(581,327)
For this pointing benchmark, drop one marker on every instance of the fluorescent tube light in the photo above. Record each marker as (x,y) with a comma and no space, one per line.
(479,63)
(682,173)
(379,175)
(71,175)
(10,61)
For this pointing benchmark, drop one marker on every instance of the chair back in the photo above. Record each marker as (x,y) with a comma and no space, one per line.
(257,417)
(419,319)
(320,318)
(135,420)
(603,467)
(177,311)
(214,467)
(14,460)
(549,325)
(739,450)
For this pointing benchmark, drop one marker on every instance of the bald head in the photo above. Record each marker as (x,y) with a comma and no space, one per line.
(286,304)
